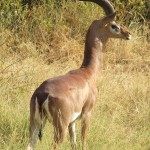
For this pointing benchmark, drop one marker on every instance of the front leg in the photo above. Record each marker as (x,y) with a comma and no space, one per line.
(85,123)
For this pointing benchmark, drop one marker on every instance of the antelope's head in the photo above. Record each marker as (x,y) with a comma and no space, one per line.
(107,27)
(112,29)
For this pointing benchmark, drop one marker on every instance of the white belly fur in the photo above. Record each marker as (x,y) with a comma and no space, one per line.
(75,115)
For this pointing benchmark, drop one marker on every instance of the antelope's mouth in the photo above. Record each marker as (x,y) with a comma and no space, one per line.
(128,37)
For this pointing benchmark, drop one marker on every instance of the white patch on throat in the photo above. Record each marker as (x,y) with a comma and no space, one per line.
(75,115)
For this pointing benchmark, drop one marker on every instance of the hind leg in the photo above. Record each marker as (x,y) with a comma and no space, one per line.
(60,130)
(59,135)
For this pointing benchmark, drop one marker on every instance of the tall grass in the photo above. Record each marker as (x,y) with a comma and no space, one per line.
(49,41)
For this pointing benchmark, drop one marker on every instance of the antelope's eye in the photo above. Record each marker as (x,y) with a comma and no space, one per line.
(115,28)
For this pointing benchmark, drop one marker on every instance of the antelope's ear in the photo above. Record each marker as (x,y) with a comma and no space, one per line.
(109,18)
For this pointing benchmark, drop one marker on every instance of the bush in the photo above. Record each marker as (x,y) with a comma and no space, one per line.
(135,11)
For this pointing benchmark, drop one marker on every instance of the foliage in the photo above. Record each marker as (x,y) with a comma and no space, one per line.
(17,12)
(133,11)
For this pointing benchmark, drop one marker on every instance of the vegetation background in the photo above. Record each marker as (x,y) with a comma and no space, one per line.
(45,38)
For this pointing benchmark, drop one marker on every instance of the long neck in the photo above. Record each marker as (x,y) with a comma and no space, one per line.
(93,53)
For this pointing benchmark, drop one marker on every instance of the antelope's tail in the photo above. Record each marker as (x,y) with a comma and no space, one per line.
(39,112)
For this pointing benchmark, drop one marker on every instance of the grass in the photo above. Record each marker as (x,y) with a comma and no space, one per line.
(37,49)
(120,118)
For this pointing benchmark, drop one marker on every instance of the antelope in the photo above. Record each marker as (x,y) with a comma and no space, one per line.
(64,99)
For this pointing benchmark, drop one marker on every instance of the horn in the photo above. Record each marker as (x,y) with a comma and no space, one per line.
(105,4)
